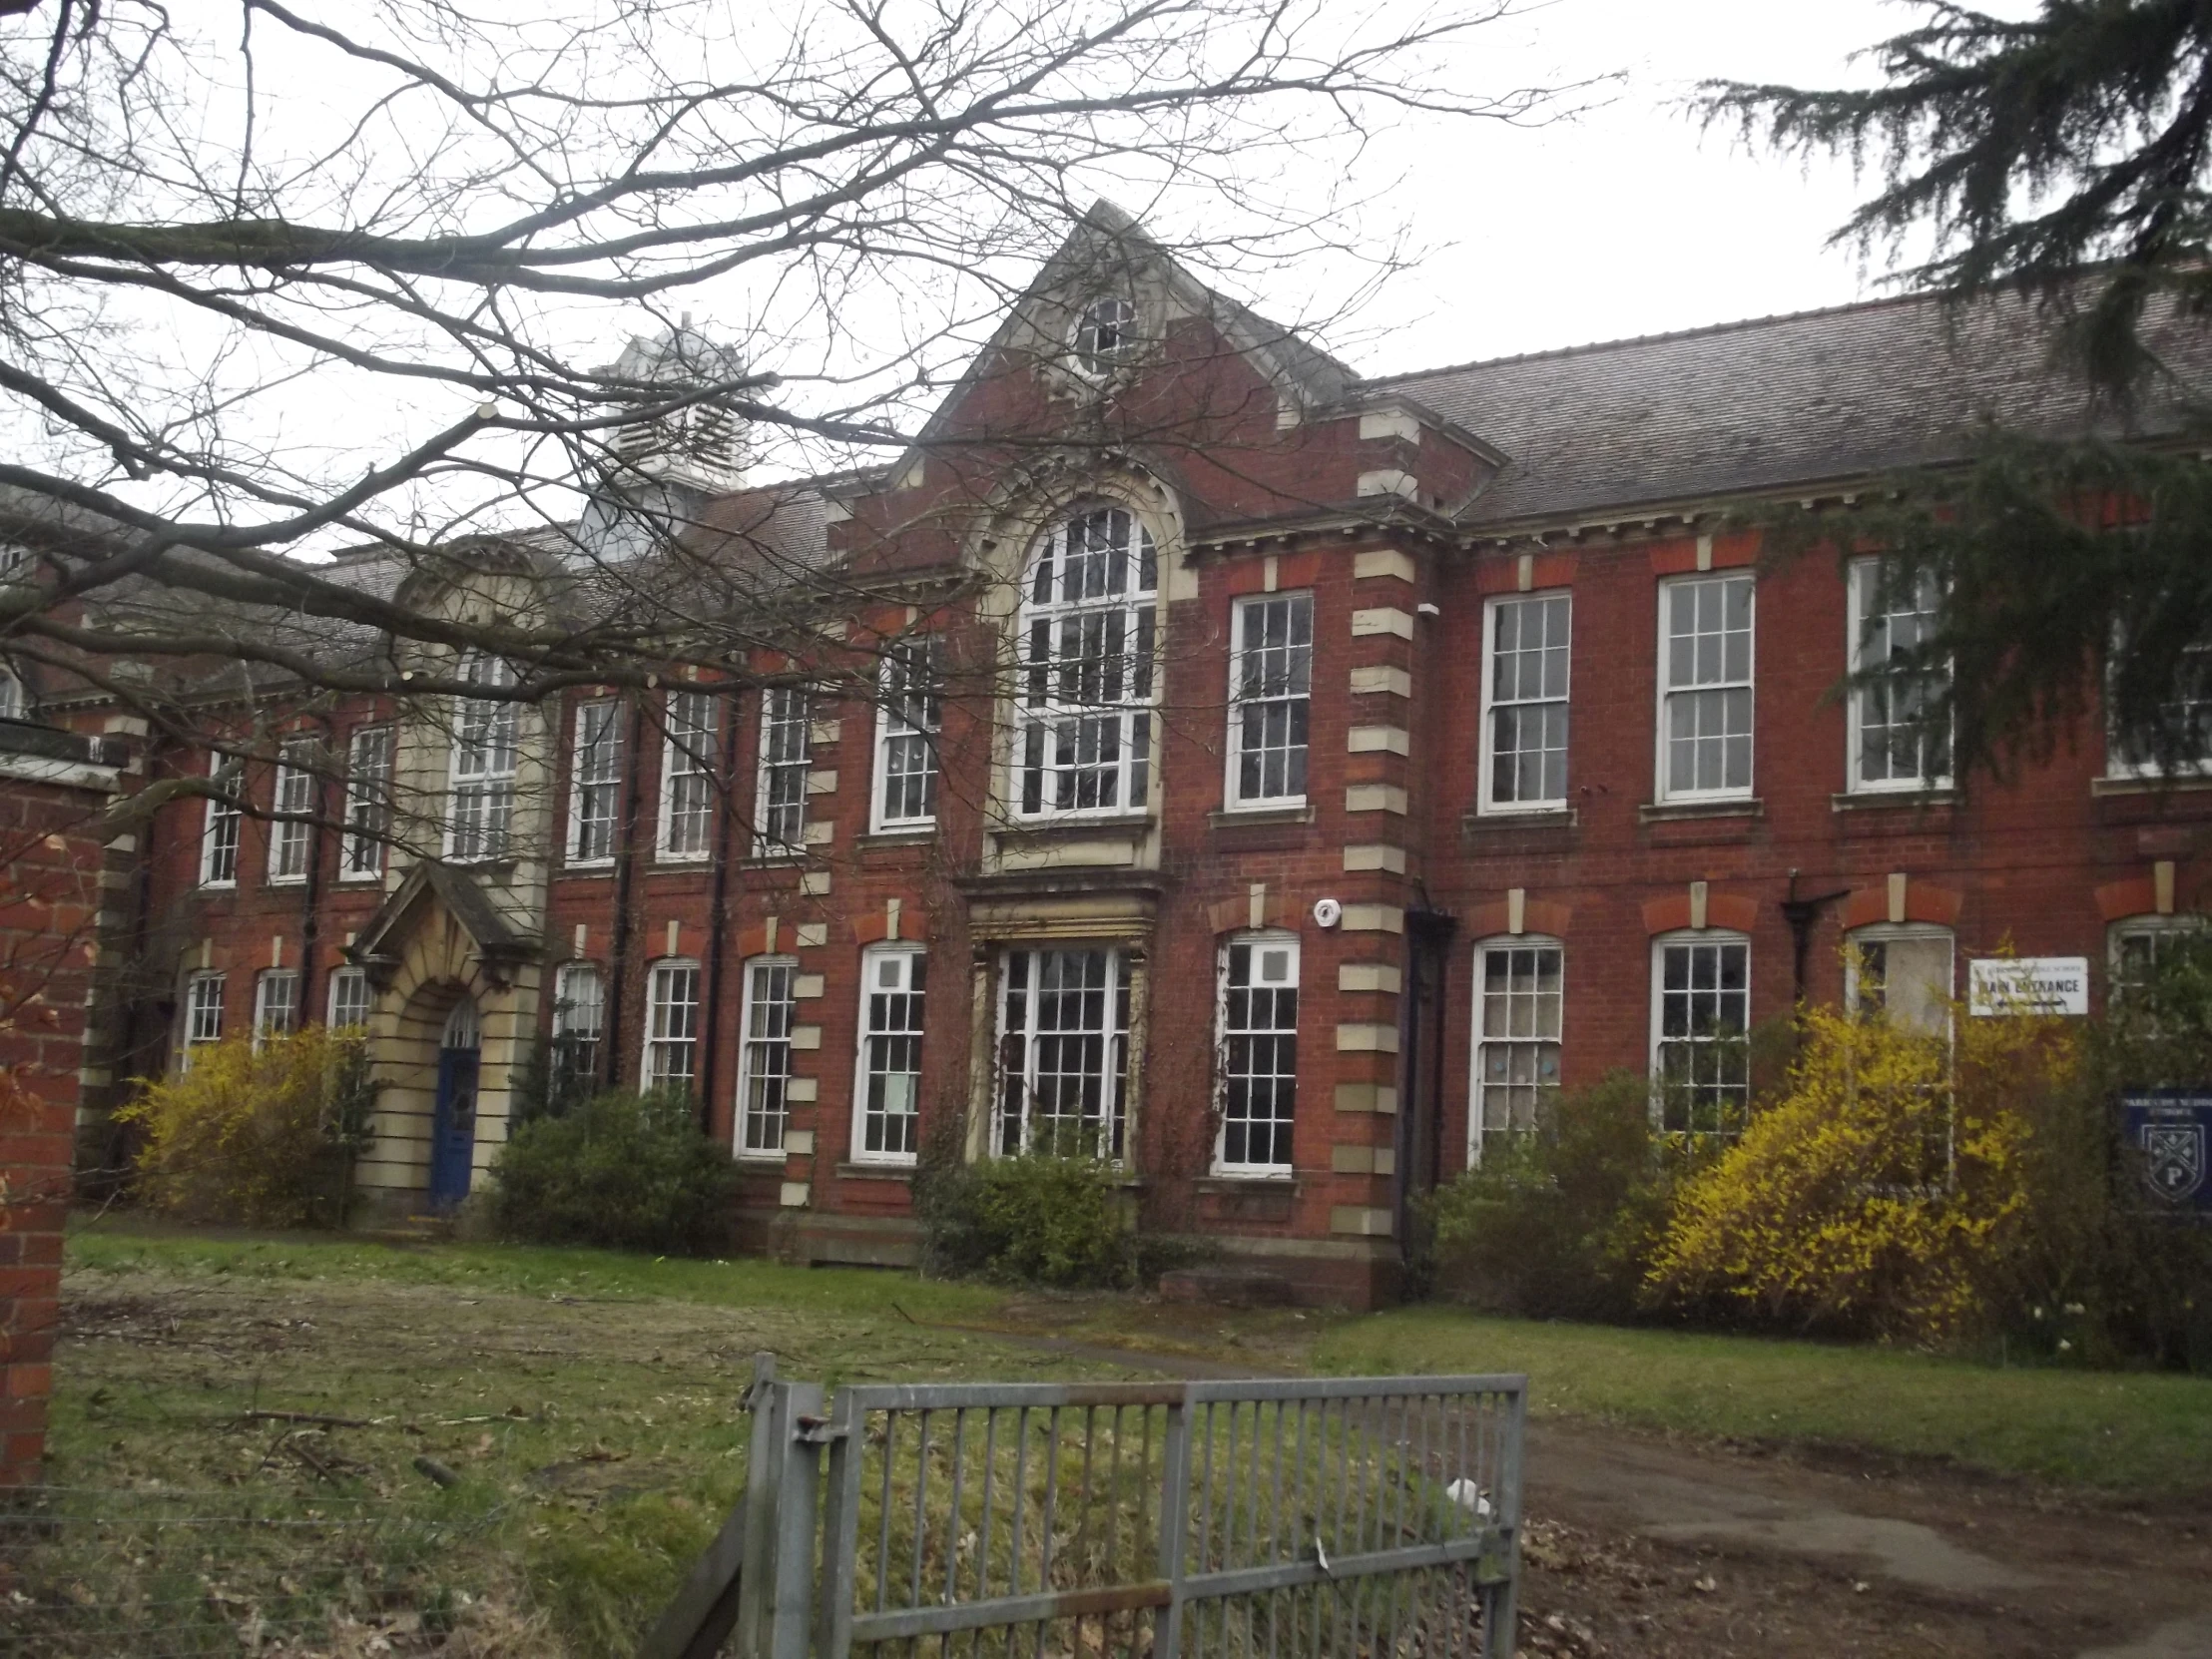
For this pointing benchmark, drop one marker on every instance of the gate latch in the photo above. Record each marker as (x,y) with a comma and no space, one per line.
(818,1430)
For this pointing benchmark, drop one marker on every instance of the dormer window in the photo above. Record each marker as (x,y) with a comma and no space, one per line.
(1105,336)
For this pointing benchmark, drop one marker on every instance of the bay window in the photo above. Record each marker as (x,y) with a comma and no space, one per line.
(1063,1051)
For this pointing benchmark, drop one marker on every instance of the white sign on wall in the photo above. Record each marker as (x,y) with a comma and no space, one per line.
(2029,985)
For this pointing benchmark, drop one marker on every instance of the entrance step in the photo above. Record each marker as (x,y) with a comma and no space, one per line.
(1228,1287)
(415,1230)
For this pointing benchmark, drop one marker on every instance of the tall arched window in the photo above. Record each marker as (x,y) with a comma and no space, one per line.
(1083,707)
(482,765)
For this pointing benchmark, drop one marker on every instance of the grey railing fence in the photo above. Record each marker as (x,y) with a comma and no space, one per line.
(1355,1518)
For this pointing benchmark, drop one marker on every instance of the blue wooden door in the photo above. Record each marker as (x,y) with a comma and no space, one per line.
(454,1127)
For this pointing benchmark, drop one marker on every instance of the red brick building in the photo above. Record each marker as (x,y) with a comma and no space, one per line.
(1274,779)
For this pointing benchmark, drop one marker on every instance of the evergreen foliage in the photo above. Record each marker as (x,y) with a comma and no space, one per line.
(2027,151)
(625,1171)
(1033,1220)
(2064,157)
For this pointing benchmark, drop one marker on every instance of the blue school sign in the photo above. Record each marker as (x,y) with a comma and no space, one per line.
(2171,1133)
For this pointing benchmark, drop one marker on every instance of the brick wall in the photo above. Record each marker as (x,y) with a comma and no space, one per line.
(56,882)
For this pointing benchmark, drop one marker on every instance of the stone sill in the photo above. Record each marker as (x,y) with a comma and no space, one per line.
(901,1173)
(887,839)
(1675,812)
(1919,800)
(585,872)
(2148,786)
(1242,1184)
(1257,818)
(1488,823)
(1057,829)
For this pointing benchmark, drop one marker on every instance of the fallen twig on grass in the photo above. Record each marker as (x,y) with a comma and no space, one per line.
(436,1471)
(316,1417)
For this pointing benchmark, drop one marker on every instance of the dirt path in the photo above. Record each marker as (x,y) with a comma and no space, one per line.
(1642,1547)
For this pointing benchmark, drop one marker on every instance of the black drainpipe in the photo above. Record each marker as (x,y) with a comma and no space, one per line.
(618,951)
(1801,913)
(718,916)
(310,892)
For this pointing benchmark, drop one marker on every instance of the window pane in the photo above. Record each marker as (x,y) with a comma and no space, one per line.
(1273,676)
(1259,1038)
(1703,1014)
(764,1065)
(891,1055)
(1517,1019)
(1528,685)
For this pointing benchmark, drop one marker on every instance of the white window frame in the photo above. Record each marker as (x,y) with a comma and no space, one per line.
(660,1036)
(269,1006)
(909,718)
(779,827)
(594,779)
(1544,1092)
(15,696)
(2152,926)
(1104,335)
(221,831)
(336,1002)
(1224,1040)
(570,1013)
(1248,705)
(1669,691)
(1711,936)
(764,1058)
(1014,1096)
(481,765)
(203,1009)
(1045,717)
(1865,584)
(1903,933)
(1487,801)
(369,753)
(876,1000)
(2117,765)
(691,736)
(290,842)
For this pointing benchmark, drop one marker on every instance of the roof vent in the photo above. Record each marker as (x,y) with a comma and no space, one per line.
(697,446)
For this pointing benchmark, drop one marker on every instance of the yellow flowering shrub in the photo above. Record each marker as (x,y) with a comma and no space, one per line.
(263,1138)
(1885,1190)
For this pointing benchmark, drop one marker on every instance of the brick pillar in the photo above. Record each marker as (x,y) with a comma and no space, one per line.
(54,892)
(37,1136)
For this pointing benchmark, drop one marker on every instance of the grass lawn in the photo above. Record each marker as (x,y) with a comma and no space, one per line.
(2144,1434)
(590,1403)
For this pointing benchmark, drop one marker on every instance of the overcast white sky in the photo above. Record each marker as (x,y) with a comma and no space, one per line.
(1627,221)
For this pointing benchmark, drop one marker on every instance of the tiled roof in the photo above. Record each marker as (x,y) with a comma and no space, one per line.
(1777,401)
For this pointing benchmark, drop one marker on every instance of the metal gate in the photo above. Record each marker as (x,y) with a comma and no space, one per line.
(1356,1518)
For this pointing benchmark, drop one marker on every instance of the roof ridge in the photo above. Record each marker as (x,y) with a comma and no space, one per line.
(1664,336)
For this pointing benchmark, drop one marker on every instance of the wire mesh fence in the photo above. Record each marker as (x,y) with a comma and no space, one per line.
(159,1572)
